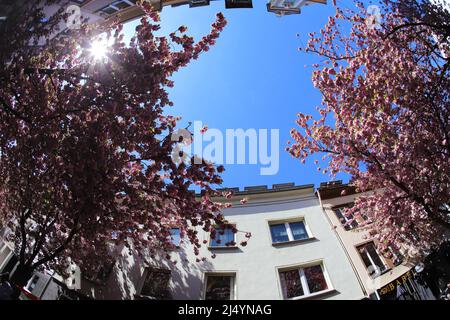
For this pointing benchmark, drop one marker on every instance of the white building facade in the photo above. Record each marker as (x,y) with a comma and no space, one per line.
(292,254)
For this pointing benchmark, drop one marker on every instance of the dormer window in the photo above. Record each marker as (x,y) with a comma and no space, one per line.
(198,3)
(232,4)
(117,6)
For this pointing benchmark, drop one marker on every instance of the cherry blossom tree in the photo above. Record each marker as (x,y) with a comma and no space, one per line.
(384,117)
(85,142)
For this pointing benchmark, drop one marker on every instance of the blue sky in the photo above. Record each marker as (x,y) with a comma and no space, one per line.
(254,77)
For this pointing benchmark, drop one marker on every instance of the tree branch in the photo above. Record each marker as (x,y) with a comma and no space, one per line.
(60,249)
(10,110)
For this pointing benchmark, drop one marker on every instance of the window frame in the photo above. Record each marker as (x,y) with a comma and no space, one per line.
(5,252)
(232,4)
(113,6)
(198,3)
(348,227)
(103,268)
(176,246)
(337,209)
(373,264)
(303,280)
(31,284)
(289,232)
(222,246)
(145,276)
(397,257)
(233,282)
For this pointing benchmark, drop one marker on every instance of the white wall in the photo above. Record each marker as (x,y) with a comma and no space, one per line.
(256,264)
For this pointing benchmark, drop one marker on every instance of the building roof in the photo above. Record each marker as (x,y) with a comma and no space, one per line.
(265,194)
(251,190)
(334,189)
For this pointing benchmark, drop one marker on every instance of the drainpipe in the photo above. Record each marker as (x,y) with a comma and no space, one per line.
(345,249)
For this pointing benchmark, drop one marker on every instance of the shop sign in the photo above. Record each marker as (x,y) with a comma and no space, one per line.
(397,282)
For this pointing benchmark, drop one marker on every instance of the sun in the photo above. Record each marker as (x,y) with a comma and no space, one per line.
(99,50)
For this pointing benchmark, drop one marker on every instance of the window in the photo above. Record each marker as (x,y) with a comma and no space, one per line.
(5,252)
(101,273)
(198,3)
(32,284)
(175,236)
(288,231)
(117,6)
(288,3)
(231,4)
(109,10)
(224,237)
(303,281)
(220,287)
(10,264)
(374,264)
(287,7)
(298,230)
(104,271)
(122,4)
(156,283)
(395,255)
(344,219)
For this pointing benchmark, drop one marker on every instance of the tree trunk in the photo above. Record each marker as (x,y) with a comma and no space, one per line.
(20,278)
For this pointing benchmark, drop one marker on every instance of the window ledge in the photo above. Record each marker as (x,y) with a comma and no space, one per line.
(314,295)
(358,227)
(382,273)
(222,248)
(286,243)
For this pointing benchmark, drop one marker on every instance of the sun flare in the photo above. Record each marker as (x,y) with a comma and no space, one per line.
(99,50)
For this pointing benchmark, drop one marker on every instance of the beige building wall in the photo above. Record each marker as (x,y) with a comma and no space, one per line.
(351,239)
